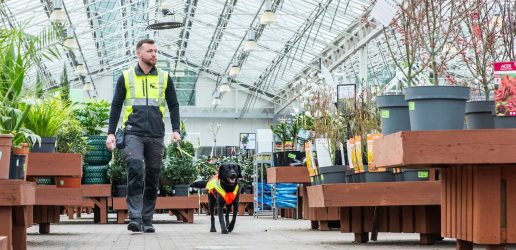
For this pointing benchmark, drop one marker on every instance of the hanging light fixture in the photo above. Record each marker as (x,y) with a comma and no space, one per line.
(80,68)
(235,68)
(58,14)
(268,16)
(88,86)
(70,43)
(225,87)
(250,41)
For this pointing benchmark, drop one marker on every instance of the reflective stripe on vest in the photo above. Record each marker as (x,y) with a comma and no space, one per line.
(214,184)
(139,93)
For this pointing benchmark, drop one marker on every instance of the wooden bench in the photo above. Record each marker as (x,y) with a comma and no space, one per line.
(95,198)
(245,204)
(320,218)
(49,198)
(16,200)
(478,179)
(409,207)
(180,206)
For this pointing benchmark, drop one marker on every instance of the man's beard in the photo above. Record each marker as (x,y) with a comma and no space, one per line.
(149,63)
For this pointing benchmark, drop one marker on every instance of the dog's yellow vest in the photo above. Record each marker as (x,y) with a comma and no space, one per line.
(214,183)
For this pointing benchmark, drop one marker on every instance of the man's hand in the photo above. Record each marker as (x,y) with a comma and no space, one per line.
(176,137)
(111,142)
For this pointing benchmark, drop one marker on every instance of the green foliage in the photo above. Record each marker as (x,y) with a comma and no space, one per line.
(116,172)
(65,85)
(11,123)
(47,116)
(70,138)
(207,167)
(93,116)
(177,167)
(282,132)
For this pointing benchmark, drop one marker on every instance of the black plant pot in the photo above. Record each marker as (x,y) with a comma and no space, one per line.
(394,113)
(332,174)
(478,115)
(288,157)
(180,190)
(436,107)
(17,167)
(48,145)
(378,177)
(120,190)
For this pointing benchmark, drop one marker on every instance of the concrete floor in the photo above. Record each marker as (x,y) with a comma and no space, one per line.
(249,233)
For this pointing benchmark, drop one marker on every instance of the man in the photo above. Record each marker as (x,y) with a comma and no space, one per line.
(143,91)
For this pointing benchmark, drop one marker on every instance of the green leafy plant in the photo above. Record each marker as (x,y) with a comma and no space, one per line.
(70,138)
(93,116)
(207,167)
(11,122)
(282,132)
(46,117)
(179,168)
(116,171)
(294,129)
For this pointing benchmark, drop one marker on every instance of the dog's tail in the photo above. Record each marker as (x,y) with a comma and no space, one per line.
(199,184)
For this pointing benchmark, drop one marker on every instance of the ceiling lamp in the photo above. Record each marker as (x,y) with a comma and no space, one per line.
(224,87)
(166,9)
(58,15)
(250,42)
(268,16)
(70,42)
(235,68)
(88,86)
(80,68)
(216,101)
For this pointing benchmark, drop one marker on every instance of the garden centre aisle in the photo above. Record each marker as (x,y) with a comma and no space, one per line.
(250,233)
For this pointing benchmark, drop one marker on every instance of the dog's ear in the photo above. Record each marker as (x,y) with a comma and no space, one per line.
(239,170)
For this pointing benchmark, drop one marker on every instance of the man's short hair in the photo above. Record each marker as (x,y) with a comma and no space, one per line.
(141,42)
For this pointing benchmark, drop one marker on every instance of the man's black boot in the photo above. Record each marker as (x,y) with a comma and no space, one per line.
(147,226)
(135,225)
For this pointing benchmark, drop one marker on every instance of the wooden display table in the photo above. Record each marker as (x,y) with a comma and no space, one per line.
(49,198)
(478,179)
(16,200)
(409,207)
(94,196)
(180,206)
(319,217)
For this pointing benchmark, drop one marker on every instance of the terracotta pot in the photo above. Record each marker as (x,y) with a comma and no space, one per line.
(68,182)
(22,150)
(5,155)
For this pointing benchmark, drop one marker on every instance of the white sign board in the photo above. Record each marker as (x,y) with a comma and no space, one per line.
(322,147)
(264,141)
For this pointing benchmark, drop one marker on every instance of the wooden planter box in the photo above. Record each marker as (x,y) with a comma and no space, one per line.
(50,199)
(478,178)
(16,200)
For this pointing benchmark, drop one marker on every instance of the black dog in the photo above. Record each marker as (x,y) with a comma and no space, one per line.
(223,190)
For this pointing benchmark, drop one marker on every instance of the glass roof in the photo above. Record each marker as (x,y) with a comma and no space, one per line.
(211,39)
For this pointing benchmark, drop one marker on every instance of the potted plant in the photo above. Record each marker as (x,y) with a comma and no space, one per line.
(45,118)
(404,47)
(117,174)
(479,50)
(281,131)
(179,168)
(93,116)
(438,31)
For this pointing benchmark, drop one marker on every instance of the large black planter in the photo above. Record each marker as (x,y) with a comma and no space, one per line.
(332,174)
(478,115)
(48,145)
(505,121)
(180,190)
(284,159)
(436,107)
(17,167)
(394,113)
